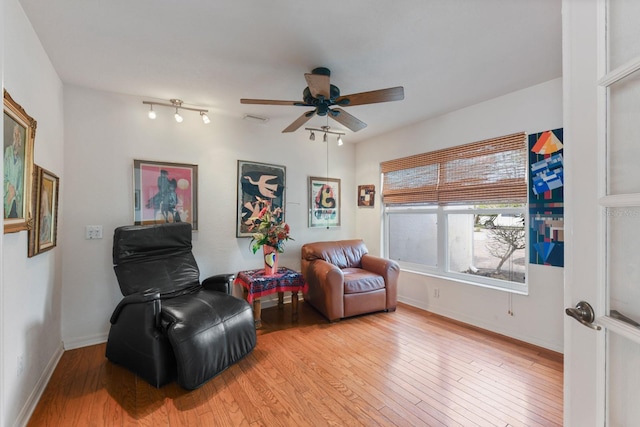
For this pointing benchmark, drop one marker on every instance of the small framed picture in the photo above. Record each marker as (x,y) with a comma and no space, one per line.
(19,133)
(366,195)
(324,202)
(165,192)
(43,236)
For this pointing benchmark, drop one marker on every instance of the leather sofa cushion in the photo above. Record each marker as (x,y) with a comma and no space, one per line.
(341,253)
(357,280)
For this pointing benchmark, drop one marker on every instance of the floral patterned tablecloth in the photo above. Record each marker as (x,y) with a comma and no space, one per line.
(259,285)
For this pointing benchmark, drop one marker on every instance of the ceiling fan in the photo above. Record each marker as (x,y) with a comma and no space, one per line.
(322,96)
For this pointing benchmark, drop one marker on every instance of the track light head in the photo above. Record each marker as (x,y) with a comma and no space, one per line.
(178,117)
(152,114)
(340,142)
(324,137)
(312,136)
(205,118)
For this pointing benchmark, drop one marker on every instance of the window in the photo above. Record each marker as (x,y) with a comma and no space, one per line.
(459,213)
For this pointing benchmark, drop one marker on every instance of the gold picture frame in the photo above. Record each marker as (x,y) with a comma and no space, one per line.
(19,133)
(43,236)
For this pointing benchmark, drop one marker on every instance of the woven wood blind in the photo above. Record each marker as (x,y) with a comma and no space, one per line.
(493,170)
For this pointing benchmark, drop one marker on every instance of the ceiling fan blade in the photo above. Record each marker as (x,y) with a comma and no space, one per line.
(318,85)
(269,102)
(347,120)
(372,97)
(299,121)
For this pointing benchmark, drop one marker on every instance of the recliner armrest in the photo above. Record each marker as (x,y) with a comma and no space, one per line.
(149,296)
(219,283)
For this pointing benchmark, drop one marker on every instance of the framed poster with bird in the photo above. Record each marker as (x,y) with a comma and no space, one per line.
(258,183)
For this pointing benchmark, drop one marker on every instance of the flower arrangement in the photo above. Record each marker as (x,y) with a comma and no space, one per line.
(271,230)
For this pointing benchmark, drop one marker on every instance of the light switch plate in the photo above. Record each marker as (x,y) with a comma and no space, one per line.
(93,232)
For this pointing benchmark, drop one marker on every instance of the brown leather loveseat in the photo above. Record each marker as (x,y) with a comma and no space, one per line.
(344,280)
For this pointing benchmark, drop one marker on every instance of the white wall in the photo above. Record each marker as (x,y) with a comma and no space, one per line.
(31,287)
(538,316)
(105,132)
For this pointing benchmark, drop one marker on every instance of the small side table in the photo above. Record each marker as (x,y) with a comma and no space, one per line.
(256,285)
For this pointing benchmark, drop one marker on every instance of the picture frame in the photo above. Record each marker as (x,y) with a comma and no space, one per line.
(43,236)
(258,181)
(366,195)
(324,202)
(165,192)
(19,134)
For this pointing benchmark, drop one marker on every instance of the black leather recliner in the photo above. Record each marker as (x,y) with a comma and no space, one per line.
(169,326)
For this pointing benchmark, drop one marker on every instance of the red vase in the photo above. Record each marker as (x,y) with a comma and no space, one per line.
(270,260)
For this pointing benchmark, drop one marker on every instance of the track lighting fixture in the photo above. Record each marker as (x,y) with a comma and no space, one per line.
(152,114)
(178,117)
(325,130)
(177,104)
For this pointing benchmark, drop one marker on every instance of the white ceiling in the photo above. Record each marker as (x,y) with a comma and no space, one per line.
(447,54)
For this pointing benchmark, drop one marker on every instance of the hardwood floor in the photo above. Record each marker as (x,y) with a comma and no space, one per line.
(407,368)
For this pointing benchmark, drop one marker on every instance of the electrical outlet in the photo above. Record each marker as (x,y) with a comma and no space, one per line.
(93,232)
(20,368)
(436,292)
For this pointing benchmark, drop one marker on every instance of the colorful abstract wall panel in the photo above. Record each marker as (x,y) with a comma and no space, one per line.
(546,198)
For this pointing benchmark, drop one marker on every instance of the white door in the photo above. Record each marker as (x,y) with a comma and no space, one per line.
(601,68)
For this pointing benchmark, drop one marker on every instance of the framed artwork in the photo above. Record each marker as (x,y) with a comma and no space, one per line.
(44,233)
(546,198)
(366,195)
(324,202)
(165,192)
(18,137)
(258,181)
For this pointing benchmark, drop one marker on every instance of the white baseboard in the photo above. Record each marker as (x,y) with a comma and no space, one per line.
(73,343)
(41,385)
(479,323)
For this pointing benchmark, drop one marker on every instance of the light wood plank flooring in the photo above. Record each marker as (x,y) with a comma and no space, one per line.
(407,368)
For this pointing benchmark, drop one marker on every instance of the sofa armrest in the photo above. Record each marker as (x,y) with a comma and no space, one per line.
(326,288)
(150,296)
(389,270)
(219,283)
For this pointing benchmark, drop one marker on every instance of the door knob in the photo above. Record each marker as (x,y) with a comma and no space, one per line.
(583,313)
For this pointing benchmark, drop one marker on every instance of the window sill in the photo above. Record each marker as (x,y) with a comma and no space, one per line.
(455,278)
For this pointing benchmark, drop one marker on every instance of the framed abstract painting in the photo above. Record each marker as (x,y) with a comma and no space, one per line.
(165,192)
(324,202)
(258,181)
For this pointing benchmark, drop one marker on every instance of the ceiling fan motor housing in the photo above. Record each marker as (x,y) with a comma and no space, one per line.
(321,103)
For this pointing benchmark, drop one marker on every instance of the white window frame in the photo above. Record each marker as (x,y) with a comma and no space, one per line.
(441,270)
